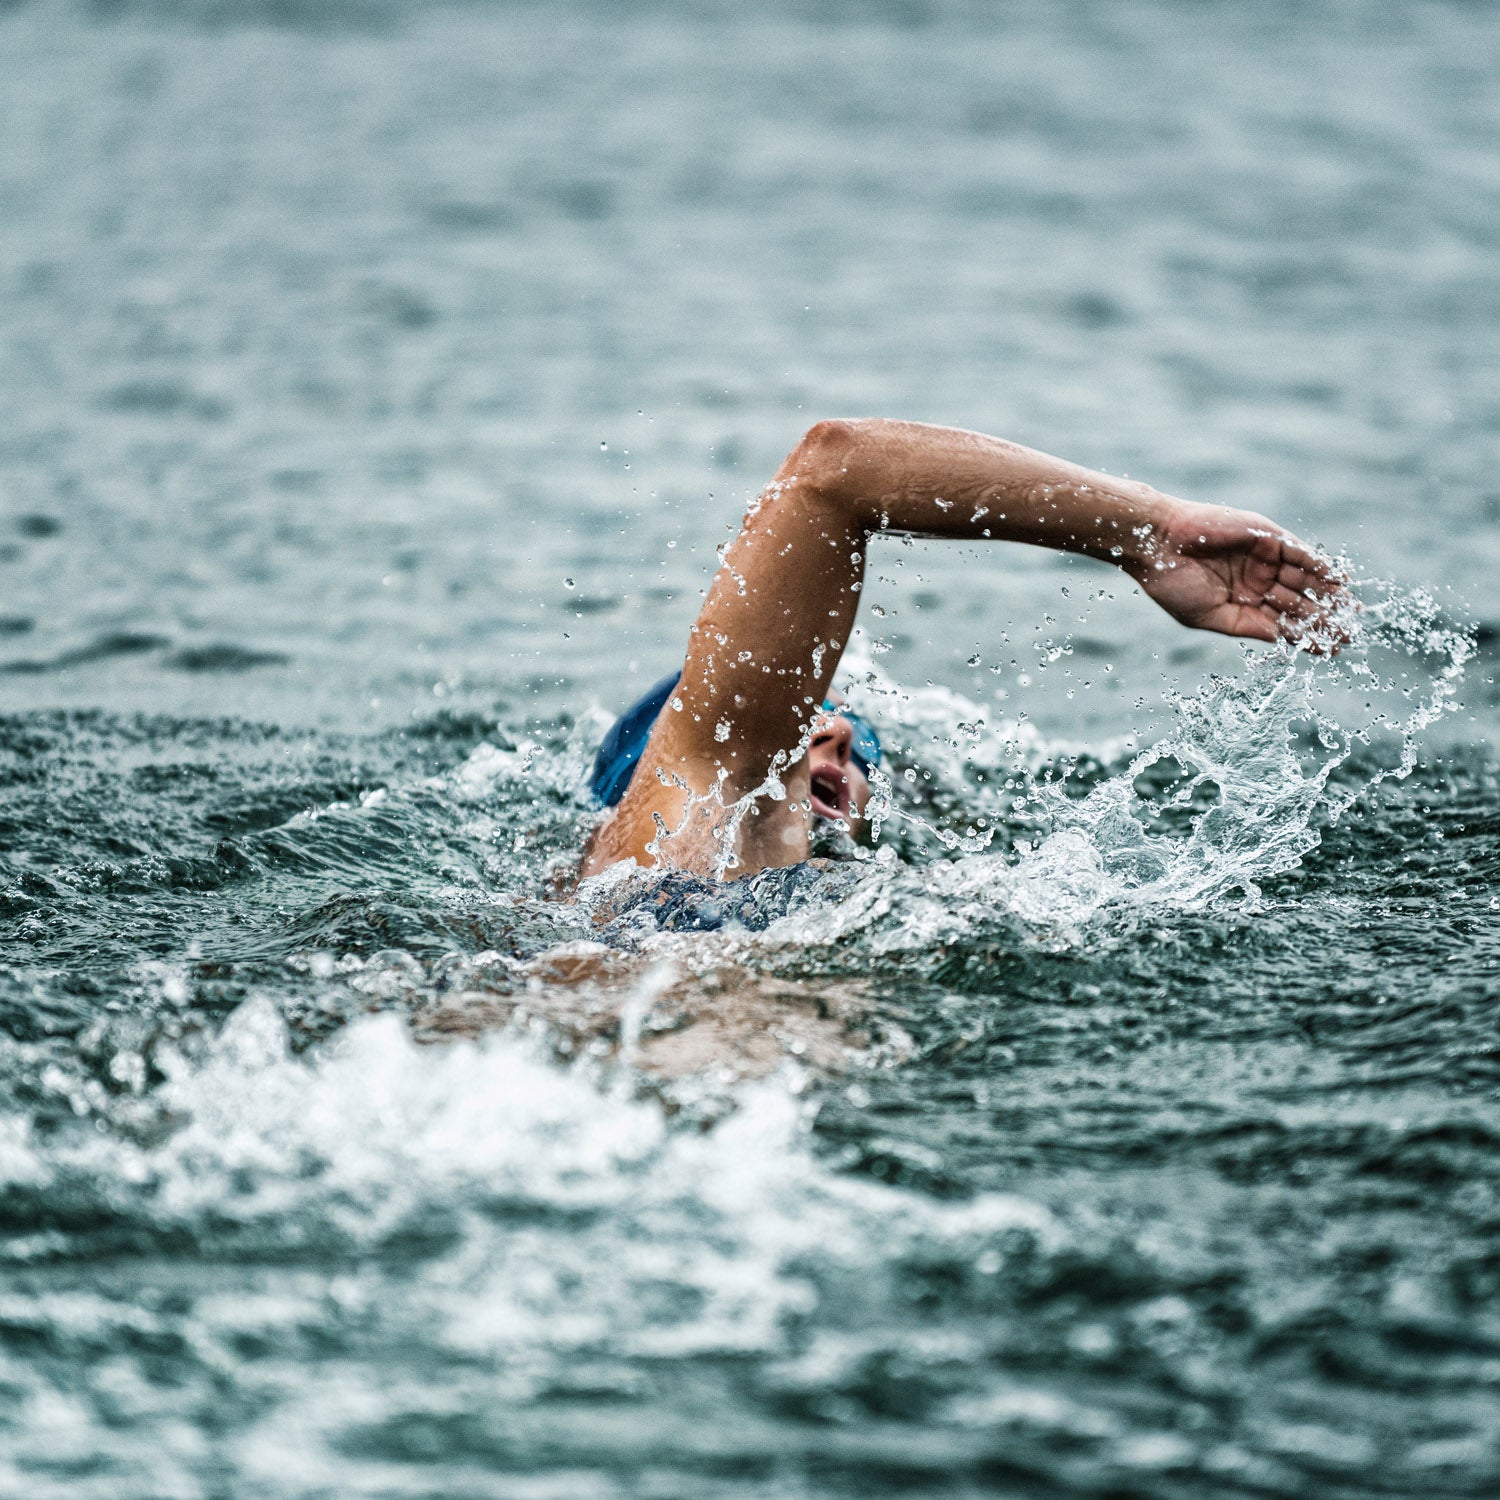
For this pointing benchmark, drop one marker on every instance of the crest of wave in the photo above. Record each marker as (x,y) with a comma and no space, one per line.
(1249,762)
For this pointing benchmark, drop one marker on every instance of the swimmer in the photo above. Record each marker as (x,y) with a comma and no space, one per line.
(753,698)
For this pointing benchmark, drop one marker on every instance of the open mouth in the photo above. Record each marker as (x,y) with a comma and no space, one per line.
(830,793)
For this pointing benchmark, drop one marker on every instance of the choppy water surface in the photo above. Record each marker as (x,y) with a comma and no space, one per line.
(376,386)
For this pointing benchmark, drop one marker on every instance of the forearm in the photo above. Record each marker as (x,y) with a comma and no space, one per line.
(943,481)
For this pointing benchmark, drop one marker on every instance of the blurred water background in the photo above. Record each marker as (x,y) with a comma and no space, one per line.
(376,382)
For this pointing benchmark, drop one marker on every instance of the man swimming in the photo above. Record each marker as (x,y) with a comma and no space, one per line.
(724,769)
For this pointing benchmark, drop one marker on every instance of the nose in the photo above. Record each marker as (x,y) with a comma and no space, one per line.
(835,735)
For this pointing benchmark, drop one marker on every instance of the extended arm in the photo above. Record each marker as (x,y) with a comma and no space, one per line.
(779,611)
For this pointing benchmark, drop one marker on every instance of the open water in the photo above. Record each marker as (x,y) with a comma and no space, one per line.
(376,382)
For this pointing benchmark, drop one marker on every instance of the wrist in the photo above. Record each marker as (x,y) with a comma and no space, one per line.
(1137,532)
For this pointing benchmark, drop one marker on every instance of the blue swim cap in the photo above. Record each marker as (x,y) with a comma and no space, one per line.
(625,743)
(623,746)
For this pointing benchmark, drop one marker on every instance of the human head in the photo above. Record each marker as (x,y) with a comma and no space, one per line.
(841,754)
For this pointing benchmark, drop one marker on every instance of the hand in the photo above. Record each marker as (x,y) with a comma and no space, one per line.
(1237,573)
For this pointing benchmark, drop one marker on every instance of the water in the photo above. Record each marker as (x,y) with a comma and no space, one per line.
(377,383)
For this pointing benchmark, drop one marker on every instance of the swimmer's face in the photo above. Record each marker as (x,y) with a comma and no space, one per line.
(839,788)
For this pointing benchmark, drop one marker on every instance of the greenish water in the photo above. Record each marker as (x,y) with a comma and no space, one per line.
(377,384)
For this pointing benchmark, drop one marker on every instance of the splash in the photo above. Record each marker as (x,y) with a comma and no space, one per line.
(1235,793)
(955,764)
(551,1198)
(402,1220)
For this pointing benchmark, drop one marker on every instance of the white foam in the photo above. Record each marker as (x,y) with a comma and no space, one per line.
(373,1133)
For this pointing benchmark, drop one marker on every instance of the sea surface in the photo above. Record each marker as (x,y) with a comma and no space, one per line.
(377,381)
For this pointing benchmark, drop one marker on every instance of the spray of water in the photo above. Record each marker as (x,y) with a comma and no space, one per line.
(1235,793)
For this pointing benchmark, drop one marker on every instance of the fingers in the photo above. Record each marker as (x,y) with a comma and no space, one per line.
(1295,554)
(1304,617)
(1292,602)
(1308,619)
(1304,598)
(1296,565)
(1327,587)
(1302,622)
(1294,576)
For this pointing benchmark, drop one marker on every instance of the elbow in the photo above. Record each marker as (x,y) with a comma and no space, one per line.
(822,459)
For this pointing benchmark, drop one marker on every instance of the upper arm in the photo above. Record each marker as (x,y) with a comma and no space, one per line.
(777,615)
(766,643)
